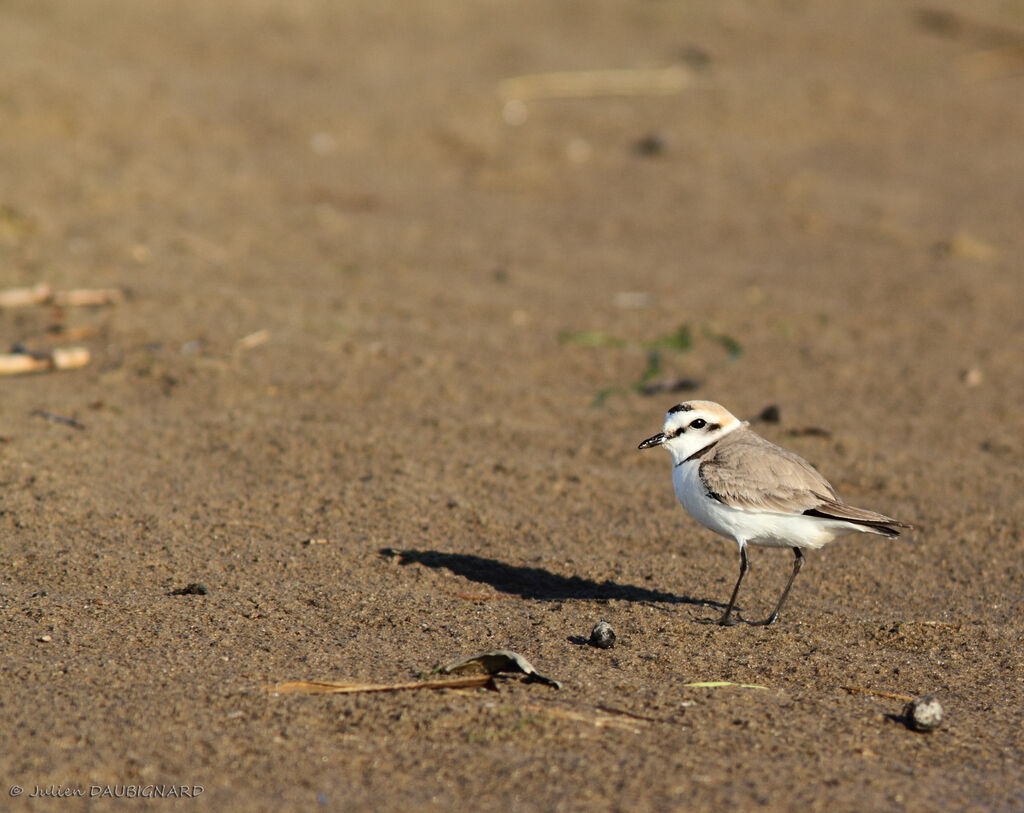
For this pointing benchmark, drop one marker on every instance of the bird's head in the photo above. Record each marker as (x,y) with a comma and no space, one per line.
(691,426)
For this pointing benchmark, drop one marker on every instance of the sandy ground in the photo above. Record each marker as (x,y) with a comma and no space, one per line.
(460,298)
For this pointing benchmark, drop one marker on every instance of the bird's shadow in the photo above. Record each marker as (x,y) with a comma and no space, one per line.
(534,582)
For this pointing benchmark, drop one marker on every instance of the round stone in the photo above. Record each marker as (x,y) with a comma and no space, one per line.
(602,636)
(923,713)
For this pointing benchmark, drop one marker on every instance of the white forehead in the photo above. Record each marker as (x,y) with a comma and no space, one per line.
(683,414)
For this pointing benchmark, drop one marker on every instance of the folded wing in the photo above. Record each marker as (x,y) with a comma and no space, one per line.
(746,471)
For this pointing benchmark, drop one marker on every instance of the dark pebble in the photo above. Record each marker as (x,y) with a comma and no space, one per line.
(923,713)
(649,146)
(190,589)
(770,414)
(602,636)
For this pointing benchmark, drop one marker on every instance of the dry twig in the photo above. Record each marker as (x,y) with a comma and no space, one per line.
(332,687)
(906,698)
(60,358)
(43,294)
(588,84)
(720,684)
(253,340)
(50,416)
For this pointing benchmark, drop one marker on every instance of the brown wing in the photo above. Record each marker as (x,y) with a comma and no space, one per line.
(859,516)
(747,471)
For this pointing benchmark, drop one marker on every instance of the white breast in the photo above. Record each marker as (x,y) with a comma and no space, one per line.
(767,528)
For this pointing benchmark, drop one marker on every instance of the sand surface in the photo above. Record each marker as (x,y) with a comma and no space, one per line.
(376,389)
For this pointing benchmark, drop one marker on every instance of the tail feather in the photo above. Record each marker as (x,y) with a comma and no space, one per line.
(870,520)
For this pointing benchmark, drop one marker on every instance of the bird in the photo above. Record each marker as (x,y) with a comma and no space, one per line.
(745,488)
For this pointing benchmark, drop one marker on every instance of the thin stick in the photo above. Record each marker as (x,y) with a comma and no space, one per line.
(331,687)
(20,297)
(69,358)
(43,294)
(253,340)
(588,84)
(878,693)
(719,684)
(60,358)
(88,296)
(18,363)
(49,416)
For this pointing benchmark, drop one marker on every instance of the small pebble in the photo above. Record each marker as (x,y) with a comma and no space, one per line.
(972,377)
(649,146)
(770,414)
(923,713)
(695,56)
(683,384)
(190,589)
(602,636)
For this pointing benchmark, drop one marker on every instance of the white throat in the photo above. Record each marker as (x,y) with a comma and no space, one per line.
(686,448)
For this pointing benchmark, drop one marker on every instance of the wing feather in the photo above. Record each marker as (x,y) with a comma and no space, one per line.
(746,471)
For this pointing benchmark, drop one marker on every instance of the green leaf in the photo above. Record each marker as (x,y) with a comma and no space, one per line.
(732,347)
(681,340)
(653,369)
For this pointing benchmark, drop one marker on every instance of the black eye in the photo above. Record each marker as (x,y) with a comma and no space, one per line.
(699,423)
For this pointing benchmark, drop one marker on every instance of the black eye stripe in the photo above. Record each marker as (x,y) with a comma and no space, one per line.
(697,423)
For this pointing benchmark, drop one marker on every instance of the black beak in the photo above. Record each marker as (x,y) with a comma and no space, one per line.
(654,440)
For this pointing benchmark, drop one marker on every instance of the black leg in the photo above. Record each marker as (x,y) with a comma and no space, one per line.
(727,619)
(797,564)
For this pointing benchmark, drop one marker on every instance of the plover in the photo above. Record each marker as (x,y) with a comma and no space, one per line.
(739,485)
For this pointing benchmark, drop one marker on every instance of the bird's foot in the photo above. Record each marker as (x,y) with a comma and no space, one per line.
(734,617)
(729,619)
